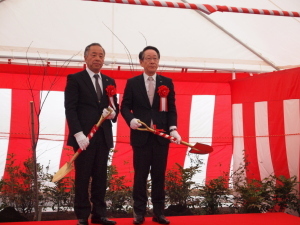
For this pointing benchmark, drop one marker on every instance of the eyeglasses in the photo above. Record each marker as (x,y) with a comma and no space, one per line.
(150,59)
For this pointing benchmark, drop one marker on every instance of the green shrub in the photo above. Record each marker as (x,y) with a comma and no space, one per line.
(214,195)
(17,190)
(118,194)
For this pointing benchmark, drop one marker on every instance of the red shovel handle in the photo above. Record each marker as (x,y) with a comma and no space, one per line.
(197,148)
(93,131)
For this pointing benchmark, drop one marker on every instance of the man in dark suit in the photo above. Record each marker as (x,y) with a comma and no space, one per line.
(150,98)
(86,99)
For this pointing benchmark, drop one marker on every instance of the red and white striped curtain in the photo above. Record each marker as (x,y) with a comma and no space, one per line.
(258,114)
(266,123)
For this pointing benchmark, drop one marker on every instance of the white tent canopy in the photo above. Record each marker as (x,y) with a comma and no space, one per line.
(58,30)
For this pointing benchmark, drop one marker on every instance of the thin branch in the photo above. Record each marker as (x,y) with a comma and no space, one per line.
(127,51)
(144,37)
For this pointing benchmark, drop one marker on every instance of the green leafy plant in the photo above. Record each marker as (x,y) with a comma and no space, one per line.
(183,196)
(17,190)
(286,194)
(179,188)
(273,193)
(118,194)
(60,197)
(214,195)
(179,183)
(253,196)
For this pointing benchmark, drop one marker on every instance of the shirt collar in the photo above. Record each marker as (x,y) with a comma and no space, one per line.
(91,73)
(146,77)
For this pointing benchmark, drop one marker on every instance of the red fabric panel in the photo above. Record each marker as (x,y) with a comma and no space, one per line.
(59,72)
(67,151)
(277,138)
(123,160)
(123,157)
(242,75)
(177,153)
(198,88)
(267,87)
(66,155)
(37,69)
(32,82)
(20,142)
(250,141)
(219,160)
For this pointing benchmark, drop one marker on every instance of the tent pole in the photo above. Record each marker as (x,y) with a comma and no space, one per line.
(236,39)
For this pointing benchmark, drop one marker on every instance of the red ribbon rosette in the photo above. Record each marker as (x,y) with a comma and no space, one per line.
(111,91)
(163,92)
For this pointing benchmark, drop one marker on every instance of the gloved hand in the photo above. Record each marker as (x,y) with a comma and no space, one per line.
(135,124)
(82,140)
(176,135)
(106,112)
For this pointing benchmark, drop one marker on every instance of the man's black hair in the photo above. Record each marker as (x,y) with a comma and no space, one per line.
(141,55)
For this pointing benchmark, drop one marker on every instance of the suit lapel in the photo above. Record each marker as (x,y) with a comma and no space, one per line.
(143,90)
(159,82)
(105,83)
(142,87)
(87,80)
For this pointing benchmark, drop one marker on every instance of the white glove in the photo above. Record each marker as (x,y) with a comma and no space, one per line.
(135,124)
(106,112)
(82,140)
(175,134)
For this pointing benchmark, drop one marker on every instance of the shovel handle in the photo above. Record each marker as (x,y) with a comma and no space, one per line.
(67,167)
(75,156)
(94,129)
(187,144)
(170,138)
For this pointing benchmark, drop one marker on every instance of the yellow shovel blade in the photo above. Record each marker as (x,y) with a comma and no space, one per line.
(63,171)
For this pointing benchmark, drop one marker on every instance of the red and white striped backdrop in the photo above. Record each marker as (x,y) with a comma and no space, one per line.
(266,123)
(258,114)
(204,111)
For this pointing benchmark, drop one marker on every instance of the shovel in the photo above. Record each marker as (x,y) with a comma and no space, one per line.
(65,169)
(198,148)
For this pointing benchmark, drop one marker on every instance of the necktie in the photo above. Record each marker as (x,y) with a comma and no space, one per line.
(98,88)
(151,89)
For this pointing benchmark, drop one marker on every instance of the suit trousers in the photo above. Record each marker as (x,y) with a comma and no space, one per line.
(91,167)
(152,157)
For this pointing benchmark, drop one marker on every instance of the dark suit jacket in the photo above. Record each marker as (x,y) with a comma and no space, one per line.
(135,104)
(82,108)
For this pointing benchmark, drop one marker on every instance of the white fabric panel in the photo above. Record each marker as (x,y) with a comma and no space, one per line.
(201,125)
(52,130)
(114,130)
(262,143)
(238,134)
(292,126)
(114,127)
(5,115)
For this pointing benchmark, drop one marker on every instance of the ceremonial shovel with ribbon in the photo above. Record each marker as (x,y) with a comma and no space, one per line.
(198,148)
(65,169)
